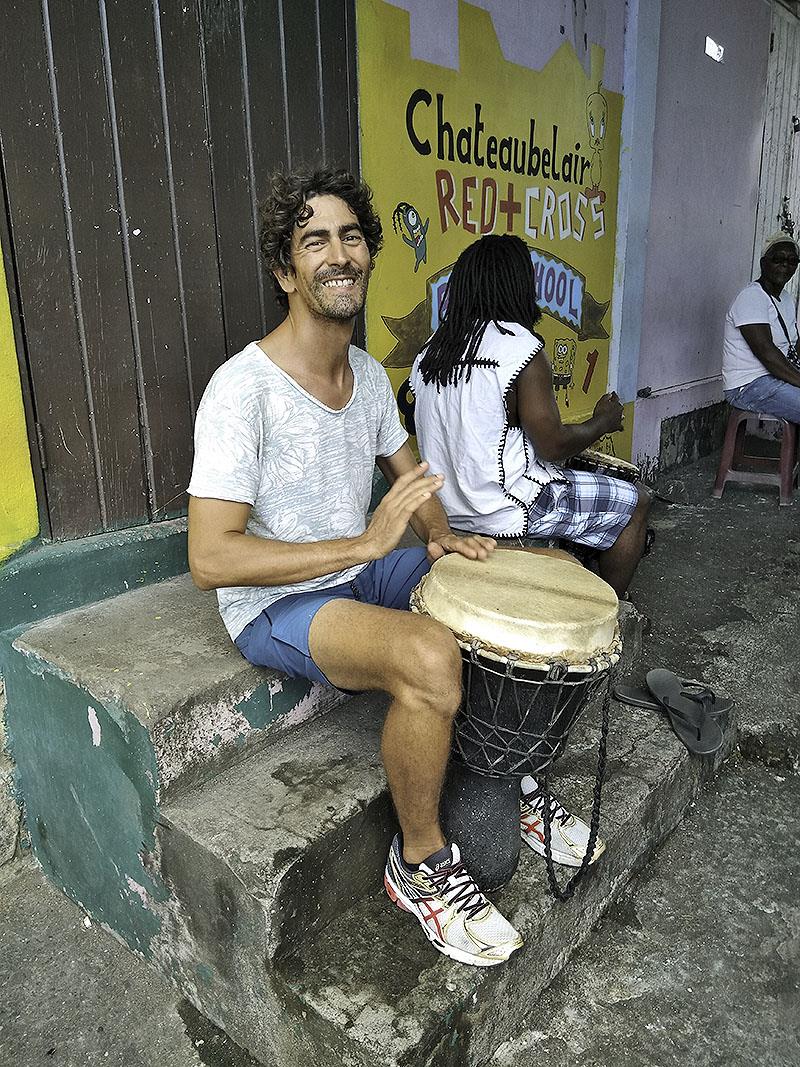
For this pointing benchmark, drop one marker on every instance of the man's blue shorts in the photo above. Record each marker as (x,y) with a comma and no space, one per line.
(278,636)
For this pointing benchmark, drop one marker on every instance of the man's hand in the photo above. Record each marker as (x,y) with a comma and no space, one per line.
(391,517)
(610,411)
(473,546)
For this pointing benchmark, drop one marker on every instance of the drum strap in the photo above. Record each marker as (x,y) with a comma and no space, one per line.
(594,827)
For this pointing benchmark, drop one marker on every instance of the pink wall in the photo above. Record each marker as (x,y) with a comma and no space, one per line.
(706,156)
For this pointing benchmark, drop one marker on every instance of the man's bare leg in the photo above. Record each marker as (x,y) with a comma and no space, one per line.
(416,661)
(618,564)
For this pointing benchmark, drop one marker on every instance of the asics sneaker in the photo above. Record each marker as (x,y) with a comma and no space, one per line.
(456,917)
(569,835)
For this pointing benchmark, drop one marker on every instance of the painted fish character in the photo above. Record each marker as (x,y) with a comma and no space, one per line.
(406,222)
(596,122)
(564,352)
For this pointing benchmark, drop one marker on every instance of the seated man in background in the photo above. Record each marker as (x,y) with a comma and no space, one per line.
(487,418)
(760,363)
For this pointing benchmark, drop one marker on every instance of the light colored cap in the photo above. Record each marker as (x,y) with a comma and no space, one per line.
(779,238)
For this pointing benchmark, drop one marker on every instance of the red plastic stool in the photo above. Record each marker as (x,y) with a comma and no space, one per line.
(768,470)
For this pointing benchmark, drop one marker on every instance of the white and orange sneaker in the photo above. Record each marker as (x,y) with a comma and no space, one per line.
(457,918)
(569,835)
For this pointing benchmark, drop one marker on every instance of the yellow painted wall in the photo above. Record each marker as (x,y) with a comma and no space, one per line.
(563,203)
(19,521)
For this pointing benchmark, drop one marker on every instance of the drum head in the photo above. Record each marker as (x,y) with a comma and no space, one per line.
(533,607)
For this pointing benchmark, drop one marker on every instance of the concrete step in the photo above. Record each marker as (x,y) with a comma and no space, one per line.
(277,930)
(301,827)
(406,1005)
(160,656)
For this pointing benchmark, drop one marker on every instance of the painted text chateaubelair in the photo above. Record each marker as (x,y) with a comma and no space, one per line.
(514,155)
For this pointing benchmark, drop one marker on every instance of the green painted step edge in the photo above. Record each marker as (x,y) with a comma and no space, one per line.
(45,580)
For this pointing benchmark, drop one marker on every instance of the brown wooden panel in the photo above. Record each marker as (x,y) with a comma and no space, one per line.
(303,89)
(360,331)
(335,82)
(267,111)
(102,304)
(201,295)
(150,243)
(242,297)
(37,221)
(352,81)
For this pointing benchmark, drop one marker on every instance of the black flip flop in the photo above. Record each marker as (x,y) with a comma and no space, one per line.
(688,716)
(637,697)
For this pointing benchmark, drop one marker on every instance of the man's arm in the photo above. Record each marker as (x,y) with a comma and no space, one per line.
(429,521)
(540,418)
(222,553)
(759,338)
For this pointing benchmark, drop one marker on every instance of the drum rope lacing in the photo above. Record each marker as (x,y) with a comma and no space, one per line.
(568,890)
(536,736)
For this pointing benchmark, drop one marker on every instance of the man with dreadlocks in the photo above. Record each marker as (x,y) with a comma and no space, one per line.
(287,436)
(487,418)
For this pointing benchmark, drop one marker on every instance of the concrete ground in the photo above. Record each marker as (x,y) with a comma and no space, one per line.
(699,962)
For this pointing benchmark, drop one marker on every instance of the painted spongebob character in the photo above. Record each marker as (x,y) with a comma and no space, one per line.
(564,352)
(406,222)
(597,123)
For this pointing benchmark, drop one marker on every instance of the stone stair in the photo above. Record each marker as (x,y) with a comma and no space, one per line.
(231,826)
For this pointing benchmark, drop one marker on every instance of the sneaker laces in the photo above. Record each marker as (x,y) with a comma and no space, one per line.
(536,801)
(459,889)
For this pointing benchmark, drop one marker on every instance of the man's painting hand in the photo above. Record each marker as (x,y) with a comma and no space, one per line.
(392,515)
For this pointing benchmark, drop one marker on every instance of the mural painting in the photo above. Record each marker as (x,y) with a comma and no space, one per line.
(490,147)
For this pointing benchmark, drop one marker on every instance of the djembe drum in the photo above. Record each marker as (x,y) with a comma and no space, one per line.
(538,637)
(601,463)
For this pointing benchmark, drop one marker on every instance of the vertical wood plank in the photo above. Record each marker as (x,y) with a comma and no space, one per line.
(352,79)
(236,244)
(37,220)
(303,88)
(194,200)
(149,243)
(335,82)
(267,112)
(360,331)
(102,295)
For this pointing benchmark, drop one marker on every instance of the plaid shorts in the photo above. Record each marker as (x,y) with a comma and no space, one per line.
(590,509)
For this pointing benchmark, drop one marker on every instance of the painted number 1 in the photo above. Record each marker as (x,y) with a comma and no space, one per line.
(591,363)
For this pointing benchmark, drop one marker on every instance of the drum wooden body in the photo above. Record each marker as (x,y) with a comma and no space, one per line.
(601,463)
(538,635)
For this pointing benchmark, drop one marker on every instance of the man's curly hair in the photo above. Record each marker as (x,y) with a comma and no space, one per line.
(286,205)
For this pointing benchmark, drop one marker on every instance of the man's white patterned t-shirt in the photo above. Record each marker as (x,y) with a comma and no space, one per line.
(305,469)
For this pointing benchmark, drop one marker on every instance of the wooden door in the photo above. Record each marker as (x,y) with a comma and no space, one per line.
(136,137)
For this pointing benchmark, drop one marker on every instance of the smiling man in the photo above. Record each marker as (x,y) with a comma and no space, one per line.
(287,437)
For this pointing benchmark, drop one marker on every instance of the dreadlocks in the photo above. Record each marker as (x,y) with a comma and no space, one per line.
(492,281)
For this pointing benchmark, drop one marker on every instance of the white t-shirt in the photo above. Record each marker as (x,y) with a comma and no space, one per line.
(491,469)
(305,469)
(739,365)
